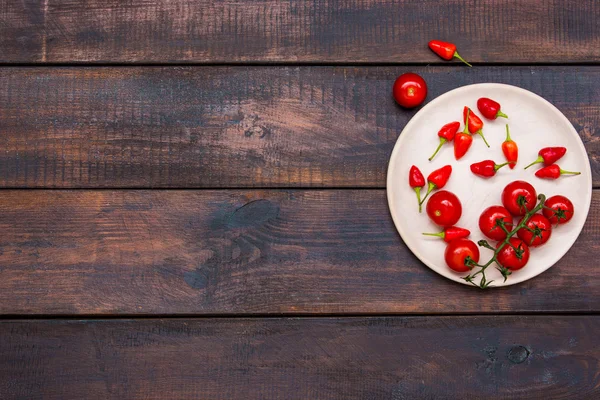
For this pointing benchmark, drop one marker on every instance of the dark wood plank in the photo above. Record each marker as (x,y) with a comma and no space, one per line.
(493,357)
(235,127)
(297,31)
(255,252)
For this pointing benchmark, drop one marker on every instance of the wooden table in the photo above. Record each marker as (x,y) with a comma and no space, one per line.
(194,206)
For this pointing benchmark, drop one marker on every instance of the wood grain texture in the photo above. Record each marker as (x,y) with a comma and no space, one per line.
(497,357)
(236,126)
(297,31)
(245,252)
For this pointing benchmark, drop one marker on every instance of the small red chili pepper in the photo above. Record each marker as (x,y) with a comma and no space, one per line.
(549,155)
(510,150)
(438,179)
(416,181)
(486,168)
(446,50)
(490,108)
(553,172)
(462,142)
(475,123)
(451,233)
(446,134)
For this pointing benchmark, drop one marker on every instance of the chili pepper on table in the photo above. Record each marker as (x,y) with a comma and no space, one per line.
(474,122)
(486,168)
(490,108)
(446,134)
(446,50)
(451,233)
(462,142)
(437,179)
(510,150)
(549,155)
(553,172)
(416,181)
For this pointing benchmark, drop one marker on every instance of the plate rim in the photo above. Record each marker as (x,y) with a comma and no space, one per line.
(432,104)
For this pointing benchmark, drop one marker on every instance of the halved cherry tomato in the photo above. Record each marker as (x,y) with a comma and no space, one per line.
(511,259)
(444,208)
(519,197)
(457,252)
(487,222)
(410,90)
(537,231)
(560,209)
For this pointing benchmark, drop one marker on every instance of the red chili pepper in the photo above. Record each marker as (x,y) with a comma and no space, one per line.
(486,168)
(416,181)
(451,233)
(553,172)
(490,108)
(446,50)
(510,150)
(475,123)
(446,134)
(438,179)
(549,155)
(462,142)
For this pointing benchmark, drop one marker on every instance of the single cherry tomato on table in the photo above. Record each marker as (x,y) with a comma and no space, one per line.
(488,225)
(519,197)
(457,252)
(513,255)
(444,208)
(558,209)
(536,232)
(410,90)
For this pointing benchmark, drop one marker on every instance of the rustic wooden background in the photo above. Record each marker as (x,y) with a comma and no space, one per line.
(193,203)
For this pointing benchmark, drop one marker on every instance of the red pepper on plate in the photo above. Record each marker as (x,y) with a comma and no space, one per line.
(446,134)
(446,50)
(549,155)
(416,181)
(474,122)
(553,172)
(490,108)
(451,233)
(486,168)
(462,142)
(438,179)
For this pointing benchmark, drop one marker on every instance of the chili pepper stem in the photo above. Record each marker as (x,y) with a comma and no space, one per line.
(540,159)
(501,114)
(461,59)
(480,132)
(439,234)
(430,187)
(508,139)
(498,166)
(442,141)
(418,192)
(563,172)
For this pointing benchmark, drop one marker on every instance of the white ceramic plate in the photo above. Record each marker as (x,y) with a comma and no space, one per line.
(534,123)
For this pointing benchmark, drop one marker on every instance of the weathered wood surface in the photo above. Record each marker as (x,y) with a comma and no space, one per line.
(246,252)
(236,126)
(495,357)
(297,31)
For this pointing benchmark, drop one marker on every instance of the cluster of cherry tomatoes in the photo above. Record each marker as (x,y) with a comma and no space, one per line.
(497,222)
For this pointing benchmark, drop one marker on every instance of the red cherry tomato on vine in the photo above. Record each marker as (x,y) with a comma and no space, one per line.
(410,90)
(457,252)
(519,197)
(444,208)
(560,209)
(540,230)
(511,258)
(487,222)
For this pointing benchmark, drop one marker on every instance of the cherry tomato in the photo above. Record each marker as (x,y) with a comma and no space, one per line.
(410,90)
(519,197)
(560,209)
(509,258)
(487,222)
(542,230)
(457,251)
(444,208)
